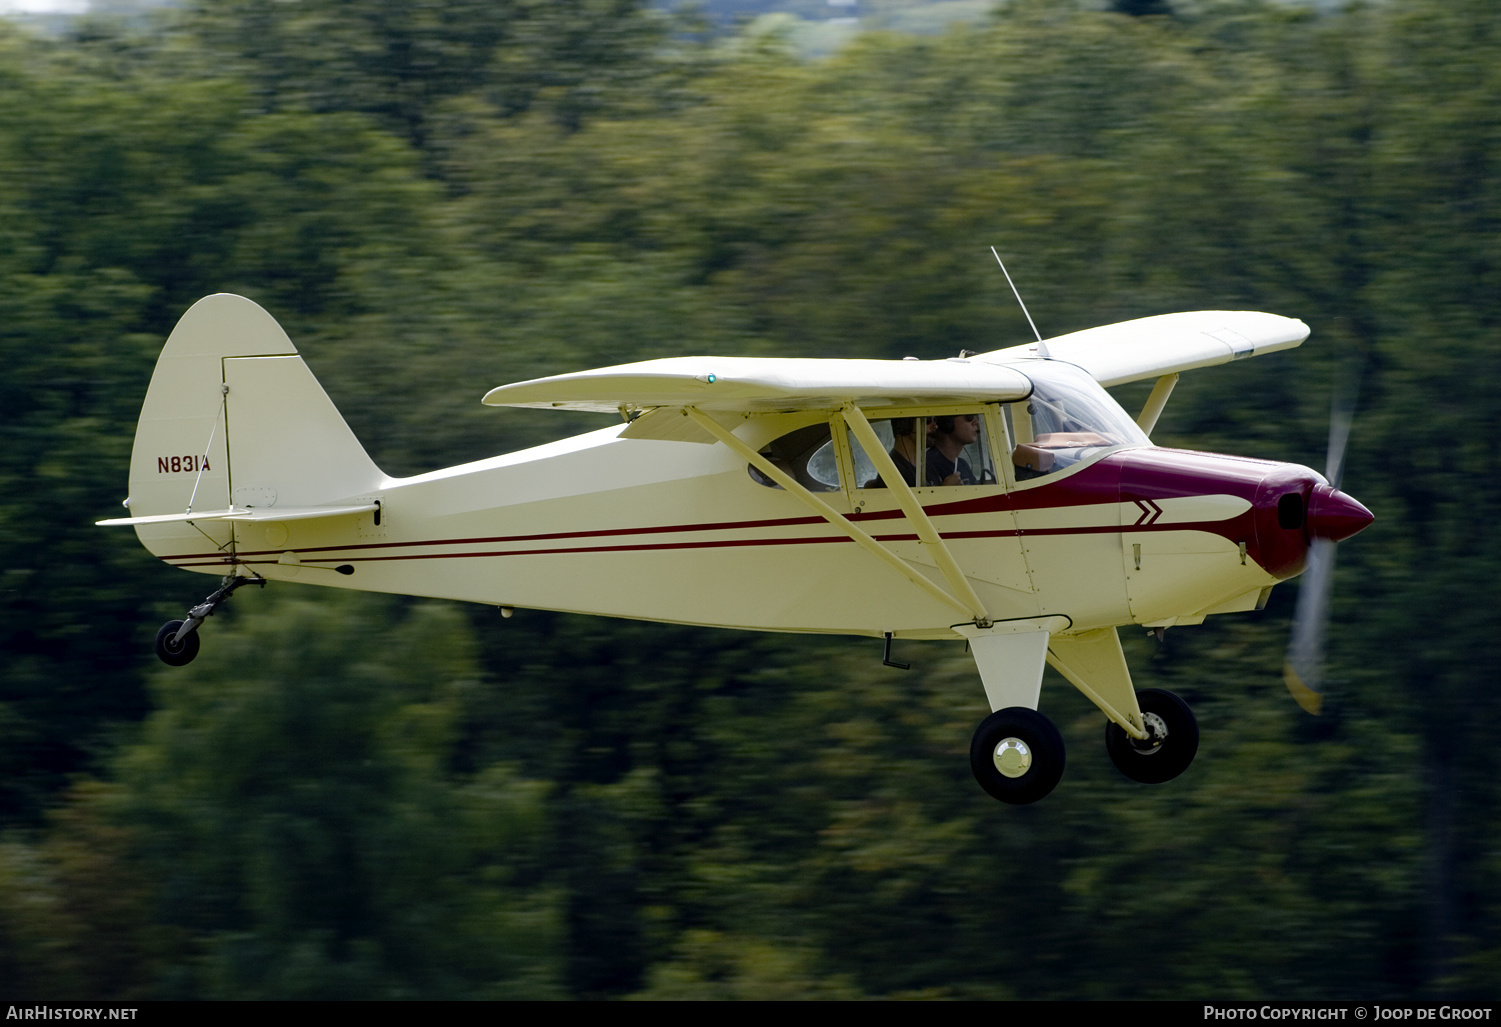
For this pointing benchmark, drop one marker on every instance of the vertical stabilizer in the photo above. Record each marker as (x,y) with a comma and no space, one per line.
(233,417)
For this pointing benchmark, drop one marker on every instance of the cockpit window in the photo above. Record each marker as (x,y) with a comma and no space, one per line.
(1068,418)
(948,449)
(807,455)
(865,471)
(928,450)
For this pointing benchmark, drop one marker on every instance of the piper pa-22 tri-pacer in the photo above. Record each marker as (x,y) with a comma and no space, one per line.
(1001,499)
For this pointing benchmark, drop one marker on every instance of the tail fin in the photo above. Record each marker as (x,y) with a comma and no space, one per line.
(234,418)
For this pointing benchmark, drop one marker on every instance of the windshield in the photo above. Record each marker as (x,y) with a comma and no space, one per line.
(1067,418)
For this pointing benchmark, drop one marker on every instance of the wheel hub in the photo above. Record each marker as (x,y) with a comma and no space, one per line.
(1156,735)
(1012,756)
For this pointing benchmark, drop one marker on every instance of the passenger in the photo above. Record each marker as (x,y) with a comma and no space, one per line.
(903,452)
(946,463)
(904,449)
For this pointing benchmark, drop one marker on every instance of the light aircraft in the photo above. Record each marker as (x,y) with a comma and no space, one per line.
(1002,499)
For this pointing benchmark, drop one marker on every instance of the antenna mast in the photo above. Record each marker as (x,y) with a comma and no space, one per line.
(1042,347)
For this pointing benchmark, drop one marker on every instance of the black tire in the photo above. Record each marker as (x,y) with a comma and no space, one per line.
(1170,754)
(175,654)
(1033,754)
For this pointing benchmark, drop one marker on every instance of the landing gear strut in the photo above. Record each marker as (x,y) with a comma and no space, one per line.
(177,641)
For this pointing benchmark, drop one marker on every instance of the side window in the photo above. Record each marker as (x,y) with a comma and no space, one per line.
(1068,419)
(887,431)
(928,451)
(1045,442)
(958,451)
(807,455)
(1029,459)
(949,449)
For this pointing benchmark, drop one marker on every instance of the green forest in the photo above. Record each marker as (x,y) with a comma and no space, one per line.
(359,796)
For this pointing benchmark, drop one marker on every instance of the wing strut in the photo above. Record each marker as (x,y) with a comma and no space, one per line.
(823,509)
(1156,402)
(907,499)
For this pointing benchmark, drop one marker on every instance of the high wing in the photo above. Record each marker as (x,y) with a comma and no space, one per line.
(750,384)
(1113,354)
(1166,344)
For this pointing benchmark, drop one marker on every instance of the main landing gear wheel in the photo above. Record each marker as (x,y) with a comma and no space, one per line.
(1170,749)
(172,650)
(1017,755)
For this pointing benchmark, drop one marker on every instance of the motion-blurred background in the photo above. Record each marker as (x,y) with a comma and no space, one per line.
(361,796)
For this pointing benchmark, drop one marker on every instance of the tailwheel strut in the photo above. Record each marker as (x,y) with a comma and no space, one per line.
(177,642)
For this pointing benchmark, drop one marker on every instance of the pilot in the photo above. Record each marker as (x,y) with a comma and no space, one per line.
(946,463)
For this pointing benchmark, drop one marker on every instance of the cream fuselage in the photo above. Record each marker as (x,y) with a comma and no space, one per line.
(680,532)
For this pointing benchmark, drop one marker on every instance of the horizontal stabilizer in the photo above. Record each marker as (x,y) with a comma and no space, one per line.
(1165,344)
(269,513)
(754,384)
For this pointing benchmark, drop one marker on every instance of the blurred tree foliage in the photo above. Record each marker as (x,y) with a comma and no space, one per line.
(358,796)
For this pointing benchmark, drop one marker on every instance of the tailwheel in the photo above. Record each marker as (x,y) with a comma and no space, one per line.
(1017,755)
(177,642)
(1173,741)
(176,651)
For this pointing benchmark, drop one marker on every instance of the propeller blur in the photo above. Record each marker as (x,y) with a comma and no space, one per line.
(1332,517)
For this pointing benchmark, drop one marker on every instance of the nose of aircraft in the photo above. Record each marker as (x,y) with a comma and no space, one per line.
(1335,516)
(1295,507)
(1292,506)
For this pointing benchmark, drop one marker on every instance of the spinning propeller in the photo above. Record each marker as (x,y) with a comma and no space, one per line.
(1329,521)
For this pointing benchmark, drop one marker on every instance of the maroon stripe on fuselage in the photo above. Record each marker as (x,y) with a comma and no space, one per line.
(1212,527)
(1143,476)
(1094,484)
